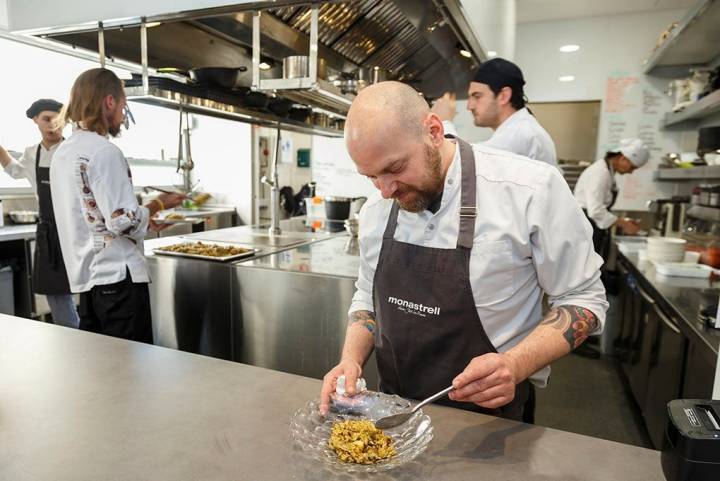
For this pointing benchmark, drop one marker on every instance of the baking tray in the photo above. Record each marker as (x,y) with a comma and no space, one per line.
(252,251)
(186,220)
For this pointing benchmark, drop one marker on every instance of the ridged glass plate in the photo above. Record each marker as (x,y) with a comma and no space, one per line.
(311,431)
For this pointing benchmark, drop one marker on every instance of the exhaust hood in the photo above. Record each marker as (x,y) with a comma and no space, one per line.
(417,42)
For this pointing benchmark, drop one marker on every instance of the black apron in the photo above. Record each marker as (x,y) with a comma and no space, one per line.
(428,328)
(602,238)
(49,275)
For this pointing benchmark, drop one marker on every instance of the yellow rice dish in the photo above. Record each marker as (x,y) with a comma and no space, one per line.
(360,442)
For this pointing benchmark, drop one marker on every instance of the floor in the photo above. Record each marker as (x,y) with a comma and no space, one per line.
(590,396)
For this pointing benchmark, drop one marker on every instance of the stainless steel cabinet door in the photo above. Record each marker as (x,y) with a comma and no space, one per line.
(667,354)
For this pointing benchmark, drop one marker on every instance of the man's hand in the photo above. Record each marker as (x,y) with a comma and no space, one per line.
(444,107)
(628,226)
(352,371)
(488,381)
(171,199)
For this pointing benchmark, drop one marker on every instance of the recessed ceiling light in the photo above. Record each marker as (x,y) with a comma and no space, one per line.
(465,53)
(566,78)
(492,53)
(264,66)
(569,48)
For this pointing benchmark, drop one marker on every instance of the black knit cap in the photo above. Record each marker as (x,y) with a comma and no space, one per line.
(498,73)
(41,106)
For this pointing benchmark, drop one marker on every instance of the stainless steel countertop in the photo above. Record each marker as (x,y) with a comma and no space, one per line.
(246,235)
(684,296)
(78,406)
(326,257)
(16,232)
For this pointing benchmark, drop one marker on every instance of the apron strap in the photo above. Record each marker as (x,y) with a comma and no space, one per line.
(468,195)
(392,222)
(37,160)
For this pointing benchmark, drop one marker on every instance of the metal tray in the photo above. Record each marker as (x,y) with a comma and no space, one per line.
(252,251)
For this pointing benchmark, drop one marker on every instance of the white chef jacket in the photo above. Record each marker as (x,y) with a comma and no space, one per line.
(25,167)
(593,191)
(530,237)
(100,224)
(521,134)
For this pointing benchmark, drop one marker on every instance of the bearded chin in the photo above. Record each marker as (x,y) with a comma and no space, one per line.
(114,131)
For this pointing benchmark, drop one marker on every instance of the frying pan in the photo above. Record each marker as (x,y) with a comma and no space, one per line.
(227,77)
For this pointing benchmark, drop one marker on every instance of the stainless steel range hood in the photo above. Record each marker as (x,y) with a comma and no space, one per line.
(418,42)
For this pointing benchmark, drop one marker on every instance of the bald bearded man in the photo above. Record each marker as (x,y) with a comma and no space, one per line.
(456,250)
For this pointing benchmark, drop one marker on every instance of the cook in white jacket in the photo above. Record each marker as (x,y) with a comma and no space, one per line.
(100,224)
(596,190)
(496,100)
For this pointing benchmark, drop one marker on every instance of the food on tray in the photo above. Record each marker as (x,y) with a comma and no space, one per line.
(211,250)
(174,216)
(359,441)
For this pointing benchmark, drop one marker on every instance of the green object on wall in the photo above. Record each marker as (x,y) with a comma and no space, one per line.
(303,157)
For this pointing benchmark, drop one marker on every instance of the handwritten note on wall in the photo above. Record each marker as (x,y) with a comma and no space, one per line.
(634,106)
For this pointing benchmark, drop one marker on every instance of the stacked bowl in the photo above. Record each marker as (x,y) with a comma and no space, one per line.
(666,249)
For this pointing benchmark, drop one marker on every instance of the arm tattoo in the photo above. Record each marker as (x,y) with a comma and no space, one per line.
(574,322)
(365,319)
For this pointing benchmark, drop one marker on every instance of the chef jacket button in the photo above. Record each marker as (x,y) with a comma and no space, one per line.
(450,181)
(431,227)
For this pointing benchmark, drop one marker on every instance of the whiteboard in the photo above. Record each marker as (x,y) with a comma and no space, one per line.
(634,106)
(334,171)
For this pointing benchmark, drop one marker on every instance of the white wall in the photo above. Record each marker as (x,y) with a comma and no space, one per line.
(494,23)
(612,49)
(3,15)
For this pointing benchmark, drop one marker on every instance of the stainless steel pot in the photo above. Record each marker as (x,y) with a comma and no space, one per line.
(378,74)
(296,66)
(24,216)
(321,119)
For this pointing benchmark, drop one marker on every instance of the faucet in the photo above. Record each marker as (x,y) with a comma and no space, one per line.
(274,191)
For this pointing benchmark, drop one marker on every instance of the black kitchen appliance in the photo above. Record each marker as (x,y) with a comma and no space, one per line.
(692,441)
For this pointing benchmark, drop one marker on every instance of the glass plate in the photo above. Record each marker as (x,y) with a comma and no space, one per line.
(311,431)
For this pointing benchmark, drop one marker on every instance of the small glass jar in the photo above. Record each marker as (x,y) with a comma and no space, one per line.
(714,196)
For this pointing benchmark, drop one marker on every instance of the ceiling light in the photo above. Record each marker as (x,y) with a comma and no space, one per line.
(152,24)
(569,48)
(566,78)
(264,66)
(492,53)
(465,53)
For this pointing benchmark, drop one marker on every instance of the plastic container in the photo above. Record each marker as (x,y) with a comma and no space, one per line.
(7,296)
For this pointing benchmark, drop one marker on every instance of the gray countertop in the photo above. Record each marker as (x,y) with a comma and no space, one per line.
(16,232)
(336,256)
(78,406)
(682,295)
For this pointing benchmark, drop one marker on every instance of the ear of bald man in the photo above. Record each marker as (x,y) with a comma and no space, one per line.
(444,107)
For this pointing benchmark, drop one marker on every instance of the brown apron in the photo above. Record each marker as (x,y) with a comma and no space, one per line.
(428,326)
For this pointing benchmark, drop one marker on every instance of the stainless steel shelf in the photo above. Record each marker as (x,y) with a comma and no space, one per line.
(702,212)
(304,90)
(196,105)
(694,173)
(694,42)
(691,117)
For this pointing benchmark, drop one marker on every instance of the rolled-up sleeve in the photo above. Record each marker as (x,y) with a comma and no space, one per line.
(595,201)
(109,179)
(567,266)
(370,240)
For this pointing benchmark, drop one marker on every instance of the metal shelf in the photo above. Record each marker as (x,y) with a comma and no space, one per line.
(691,116)
(694,173)
(702,212)
(694,42)
(304,90)
(196,105)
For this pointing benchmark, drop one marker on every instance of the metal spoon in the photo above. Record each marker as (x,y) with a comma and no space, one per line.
(397,419)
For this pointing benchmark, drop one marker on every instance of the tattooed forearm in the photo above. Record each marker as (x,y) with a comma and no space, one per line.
(574,322)
(365,319)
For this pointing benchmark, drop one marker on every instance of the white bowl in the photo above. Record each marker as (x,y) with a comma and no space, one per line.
(666,249)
